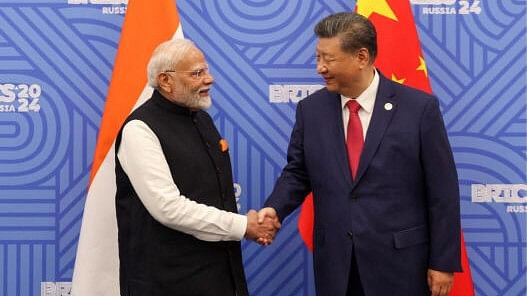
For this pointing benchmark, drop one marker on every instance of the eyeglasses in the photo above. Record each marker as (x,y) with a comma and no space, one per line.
(195,74)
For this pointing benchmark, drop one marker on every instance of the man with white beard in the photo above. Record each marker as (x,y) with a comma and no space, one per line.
(178,225)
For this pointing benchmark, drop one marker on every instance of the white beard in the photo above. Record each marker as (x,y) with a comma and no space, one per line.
(191,100)
(198,102)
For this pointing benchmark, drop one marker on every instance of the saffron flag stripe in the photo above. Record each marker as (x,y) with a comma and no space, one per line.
(145,26)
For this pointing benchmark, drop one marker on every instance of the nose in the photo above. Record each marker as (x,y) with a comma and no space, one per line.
(208,79)
(321,68)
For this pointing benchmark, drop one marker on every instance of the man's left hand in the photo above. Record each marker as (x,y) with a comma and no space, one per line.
(440,282)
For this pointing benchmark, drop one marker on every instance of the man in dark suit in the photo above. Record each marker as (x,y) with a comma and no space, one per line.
(376,156)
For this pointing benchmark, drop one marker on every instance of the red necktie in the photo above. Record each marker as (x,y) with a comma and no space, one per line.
(355,140)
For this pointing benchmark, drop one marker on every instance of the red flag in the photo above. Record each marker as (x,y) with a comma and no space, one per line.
(463,284)
(400,58)
(305,222)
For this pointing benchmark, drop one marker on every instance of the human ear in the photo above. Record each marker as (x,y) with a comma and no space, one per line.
(363,55)
(164,82)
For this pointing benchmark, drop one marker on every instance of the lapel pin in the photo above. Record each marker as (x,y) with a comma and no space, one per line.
(224,146)
(388,106)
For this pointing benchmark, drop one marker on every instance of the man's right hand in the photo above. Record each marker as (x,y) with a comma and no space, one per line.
(262,232)
(268,214)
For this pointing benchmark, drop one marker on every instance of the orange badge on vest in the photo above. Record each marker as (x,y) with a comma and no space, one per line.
(224,146)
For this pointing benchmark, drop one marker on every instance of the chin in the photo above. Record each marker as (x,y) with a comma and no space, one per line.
(331,87)
(203,103)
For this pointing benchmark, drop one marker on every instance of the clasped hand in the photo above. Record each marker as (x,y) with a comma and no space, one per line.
(262,226)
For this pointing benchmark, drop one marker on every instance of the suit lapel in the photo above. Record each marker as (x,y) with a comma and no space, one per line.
(336,126)
(381,117)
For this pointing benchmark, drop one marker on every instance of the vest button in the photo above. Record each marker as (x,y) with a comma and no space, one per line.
(350,234)
(218,170)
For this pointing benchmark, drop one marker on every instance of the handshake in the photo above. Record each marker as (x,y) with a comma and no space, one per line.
(262,226)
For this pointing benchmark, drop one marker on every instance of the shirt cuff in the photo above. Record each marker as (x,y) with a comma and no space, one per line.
(239,227)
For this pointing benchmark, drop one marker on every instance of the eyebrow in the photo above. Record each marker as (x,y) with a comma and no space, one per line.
(200,67)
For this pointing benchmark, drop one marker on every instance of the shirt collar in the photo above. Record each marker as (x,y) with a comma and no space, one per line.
(367,98)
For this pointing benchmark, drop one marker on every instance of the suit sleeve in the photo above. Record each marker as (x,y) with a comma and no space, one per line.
(293,184)
(442,192)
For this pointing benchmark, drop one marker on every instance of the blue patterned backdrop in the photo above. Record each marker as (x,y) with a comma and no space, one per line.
(45,157)
(477,65)
(56,60)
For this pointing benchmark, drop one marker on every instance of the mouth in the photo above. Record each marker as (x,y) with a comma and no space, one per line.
(204,92)
(328,80)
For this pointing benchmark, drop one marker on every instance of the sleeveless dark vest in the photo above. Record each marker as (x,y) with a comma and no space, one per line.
(154,259)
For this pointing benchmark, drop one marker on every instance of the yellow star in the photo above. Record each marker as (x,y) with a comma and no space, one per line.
(367,7)
(422,66)
(401,81)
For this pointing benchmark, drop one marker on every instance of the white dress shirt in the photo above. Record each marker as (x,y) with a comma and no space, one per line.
(366,100)
(142,159)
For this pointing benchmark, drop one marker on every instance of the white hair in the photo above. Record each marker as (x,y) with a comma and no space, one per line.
(165,57)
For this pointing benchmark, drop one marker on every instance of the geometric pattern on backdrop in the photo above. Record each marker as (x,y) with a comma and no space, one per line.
(460,65)
(477,65)
(249,46)
(45,155)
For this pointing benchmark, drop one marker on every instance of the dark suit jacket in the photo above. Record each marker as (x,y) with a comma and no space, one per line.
(400,216)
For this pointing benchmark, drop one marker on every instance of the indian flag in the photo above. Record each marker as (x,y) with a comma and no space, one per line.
(146,25)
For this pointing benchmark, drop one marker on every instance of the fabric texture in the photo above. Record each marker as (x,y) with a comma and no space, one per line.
(155,259)
(399,216)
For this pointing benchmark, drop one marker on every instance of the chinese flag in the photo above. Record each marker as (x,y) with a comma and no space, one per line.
(400,58)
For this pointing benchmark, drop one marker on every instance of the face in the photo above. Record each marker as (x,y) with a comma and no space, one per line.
(341,70)
(190,82)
